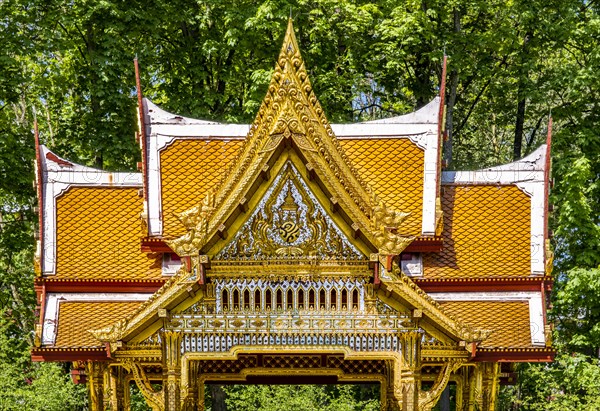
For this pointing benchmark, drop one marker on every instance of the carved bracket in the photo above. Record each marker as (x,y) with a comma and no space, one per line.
(155,399)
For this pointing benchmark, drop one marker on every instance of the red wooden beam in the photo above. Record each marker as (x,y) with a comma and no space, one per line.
(69,354)
(479,284)
(425,245)
(154,245)
(103,286)
(515,355)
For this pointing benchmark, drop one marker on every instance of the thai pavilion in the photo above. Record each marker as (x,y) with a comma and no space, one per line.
(296,250)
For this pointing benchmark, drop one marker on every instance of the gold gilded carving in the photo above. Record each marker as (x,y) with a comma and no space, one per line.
(155,399)
(196,222)
(95,373)
(427,399)
(170,291)
(111,334)
(385,223)
(290,110)
(289,224)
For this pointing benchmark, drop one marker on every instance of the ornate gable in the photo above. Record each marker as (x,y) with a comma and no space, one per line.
(291,119)
(289,222)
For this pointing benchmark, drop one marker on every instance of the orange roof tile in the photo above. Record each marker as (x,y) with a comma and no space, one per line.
(189,169)
(509,320)
(394,168)
(98,235)
(75,319)
(486,233)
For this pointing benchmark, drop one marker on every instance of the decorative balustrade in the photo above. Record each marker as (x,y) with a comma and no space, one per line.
(357,330)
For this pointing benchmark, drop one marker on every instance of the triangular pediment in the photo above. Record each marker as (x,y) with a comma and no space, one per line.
(289,222)
(290,117)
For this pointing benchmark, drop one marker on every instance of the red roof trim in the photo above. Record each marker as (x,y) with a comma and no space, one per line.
(101,286)
(481,284)
(154,245)
(53,157)
(515,355)
(425,245)
(69,354)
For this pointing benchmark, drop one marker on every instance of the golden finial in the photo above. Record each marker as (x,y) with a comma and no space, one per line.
(289,48)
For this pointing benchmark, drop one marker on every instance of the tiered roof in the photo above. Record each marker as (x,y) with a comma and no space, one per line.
(477,237)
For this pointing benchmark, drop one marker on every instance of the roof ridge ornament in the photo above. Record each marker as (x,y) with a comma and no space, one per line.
(291,113)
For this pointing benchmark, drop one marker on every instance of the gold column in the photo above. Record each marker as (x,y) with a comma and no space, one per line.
(460,388)
(475,382)
(107,392)
(411,370)
(126,391)
(189,389)
(393,399)
(490,372)
(117,389)
(171,344)
(95,375)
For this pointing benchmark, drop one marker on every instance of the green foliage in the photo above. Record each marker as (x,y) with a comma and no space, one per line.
(510,62)
(572,383)
(304,397)
(136,399)
(579,323)
(43,387)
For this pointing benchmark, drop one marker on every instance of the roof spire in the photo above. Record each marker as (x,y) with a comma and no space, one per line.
(547,171)
(141,134)
(289,48)
(40,196)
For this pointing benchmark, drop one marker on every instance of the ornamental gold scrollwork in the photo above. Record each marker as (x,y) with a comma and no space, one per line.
(112,333)
(289,110)
(414,295)
(385,223)
(196,221)
(155,399)
(427,399)
(289,223)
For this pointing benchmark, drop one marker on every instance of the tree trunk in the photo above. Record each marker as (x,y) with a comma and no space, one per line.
(447,155)
(521,95)
(518,142)
(218,397)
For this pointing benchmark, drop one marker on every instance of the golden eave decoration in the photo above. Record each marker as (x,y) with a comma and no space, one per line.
(291,115)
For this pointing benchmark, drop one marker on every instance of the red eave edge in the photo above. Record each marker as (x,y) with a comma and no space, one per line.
(425,245)
(482,284)
(515,355)
(68,354)
(154,245)
(111,286)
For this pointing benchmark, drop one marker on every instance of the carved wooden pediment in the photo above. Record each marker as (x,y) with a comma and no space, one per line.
(291,118)
(289,222)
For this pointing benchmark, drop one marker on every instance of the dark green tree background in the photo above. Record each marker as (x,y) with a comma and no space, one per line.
(69,64)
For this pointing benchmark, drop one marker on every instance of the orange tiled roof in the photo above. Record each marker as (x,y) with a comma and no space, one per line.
(189,169)
(509,320)
(394,168)
(486,233)
(76,318)
(98,235)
